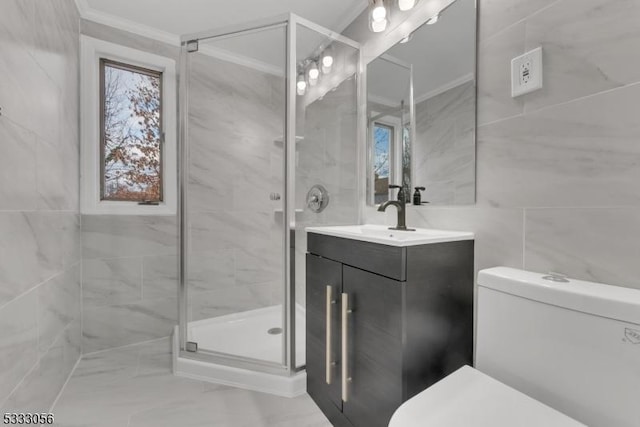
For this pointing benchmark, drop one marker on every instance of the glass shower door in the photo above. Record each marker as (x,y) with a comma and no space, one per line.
(269,112)
(235,195)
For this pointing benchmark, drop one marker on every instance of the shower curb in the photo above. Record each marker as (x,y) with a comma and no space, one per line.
(279,385)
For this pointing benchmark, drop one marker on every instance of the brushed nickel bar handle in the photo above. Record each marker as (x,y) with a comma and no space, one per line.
(328,337)
(345,352)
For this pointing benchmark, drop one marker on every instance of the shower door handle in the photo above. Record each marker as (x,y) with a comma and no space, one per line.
(329,364)
(345,350)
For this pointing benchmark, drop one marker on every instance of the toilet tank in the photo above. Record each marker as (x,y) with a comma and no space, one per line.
(574,346)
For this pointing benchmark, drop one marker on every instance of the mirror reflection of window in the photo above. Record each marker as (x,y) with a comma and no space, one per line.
(383,148)
(424,86)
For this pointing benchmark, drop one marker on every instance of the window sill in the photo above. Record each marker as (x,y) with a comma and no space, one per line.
(128,208)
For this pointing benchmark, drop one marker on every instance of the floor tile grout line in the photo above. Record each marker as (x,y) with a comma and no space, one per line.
(29,372)
(64,386)
(60,335)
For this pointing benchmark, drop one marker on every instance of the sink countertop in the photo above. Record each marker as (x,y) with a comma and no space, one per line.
(382,235)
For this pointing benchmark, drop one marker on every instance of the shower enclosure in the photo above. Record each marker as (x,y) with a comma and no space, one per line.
(268,110)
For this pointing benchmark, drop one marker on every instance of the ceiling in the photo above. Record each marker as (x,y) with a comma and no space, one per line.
(180,17)
(442,55)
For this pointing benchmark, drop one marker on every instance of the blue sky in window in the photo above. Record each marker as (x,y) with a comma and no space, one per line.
(382,142)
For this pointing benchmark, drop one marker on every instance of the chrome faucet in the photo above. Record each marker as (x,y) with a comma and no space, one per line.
(401,225)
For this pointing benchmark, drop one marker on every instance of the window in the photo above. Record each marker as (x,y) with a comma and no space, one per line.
(128,131)
(382,161)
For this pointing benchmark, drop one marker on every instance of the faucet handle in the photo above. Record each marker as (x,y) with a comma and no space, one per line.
(393,186)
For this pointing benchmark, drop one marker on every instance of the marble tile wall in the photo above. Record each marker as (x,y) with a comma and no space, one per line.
(327,156)
(557,169)
(444,150)
(40,318)
(129,279)
(236,117)
(129,263)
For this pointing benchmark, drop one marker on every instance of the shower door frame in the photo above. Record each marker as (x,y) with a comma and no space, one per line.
(290,22)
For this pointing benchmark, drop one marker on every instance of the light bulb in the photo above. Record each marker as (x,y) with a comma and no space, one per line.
(405,5)
(327,63)
(301,85)
(379,11)
(433,19)
(378,27)
(313,73)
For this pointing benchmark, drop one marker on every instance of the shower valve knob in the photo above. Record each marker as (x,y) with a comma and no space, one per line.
(317,198)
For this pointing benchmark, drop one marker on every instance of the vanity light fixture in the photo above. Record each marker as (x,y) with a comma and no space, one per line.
(405,5)
(327,61)
(301,85)
(378,11)
(313,73)
(433,19)
(378,27)
(378,16)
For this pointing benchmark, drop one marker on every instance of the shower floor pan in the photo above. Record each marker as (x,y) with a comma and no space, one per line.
(253,334)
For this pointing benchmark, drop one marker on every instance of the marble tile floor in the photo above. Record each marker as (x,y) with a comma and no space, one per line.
(134,387)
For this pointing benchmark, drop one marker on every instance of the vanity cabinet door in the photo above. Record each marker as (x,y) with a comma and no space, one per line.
(321,273)
(374,343)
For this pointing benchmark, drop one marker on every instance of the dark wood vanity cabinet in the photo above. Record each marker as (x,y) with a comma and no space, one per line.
(405,315)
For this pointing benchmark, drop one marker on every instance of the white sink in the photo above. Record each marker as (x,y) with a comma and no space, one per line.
(382,235)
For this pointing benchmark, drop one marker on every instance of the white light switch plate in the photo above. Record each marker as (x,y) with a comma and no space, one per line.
(526,72)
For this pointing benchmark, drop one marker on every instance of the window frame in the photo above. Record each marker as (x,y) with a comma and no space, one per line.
(392,155)
(93,51)
(395,152)
(105,62)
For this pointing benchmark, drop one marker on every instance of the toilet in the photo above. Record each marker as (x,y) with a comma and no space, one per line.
(550,352)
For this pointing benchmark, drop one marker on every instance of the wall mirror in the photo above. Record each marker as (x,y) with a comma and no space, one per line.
(421,112)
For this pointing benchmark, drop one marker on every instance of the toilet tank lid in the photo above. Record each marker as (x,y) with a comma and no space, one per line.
(614,302)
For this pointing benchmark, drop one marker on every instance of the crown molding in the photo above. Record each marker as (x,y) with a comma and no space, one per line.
(245,61)
(445,87)
(381,100)
(90,14)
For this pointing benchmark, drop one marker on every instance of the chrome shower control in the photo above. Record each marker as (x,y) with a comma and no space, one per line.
(317,198)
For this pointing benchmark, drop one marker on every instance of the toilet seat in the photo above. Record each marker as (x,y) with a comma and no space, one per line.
(469,398)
